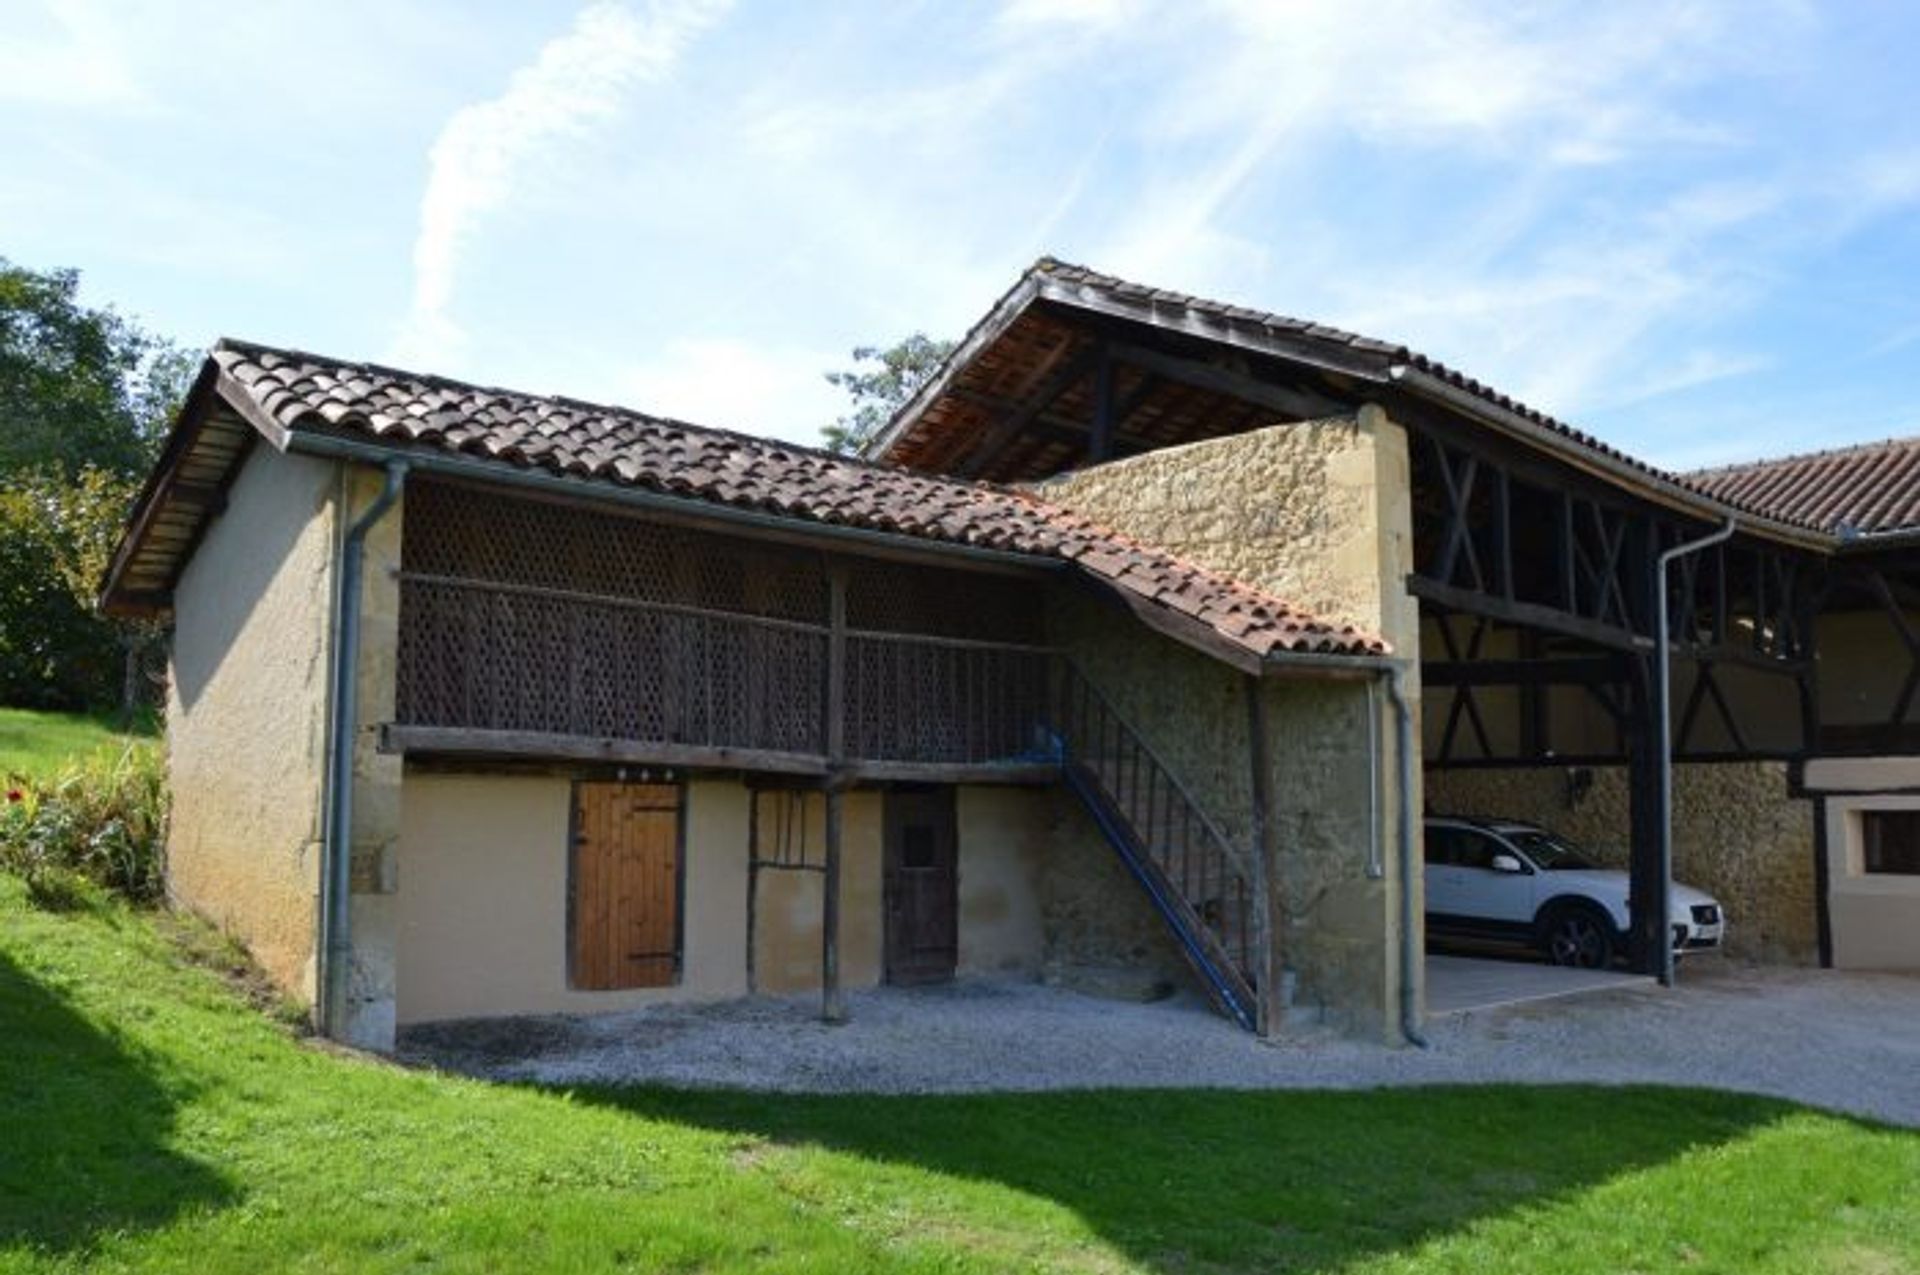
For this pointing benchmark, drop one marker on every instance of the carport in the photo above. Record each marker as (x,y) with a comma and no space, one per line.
(1538,589)
(1458,984)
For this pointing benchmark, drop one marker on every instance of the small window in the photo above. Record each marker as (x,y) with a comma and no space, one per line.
(1442,847)
(1890,841)
(1476,850)
(917,848)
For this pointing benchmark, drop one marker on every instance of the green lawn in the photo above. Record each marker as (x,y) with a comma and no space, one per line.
(38,744)
(149,1119)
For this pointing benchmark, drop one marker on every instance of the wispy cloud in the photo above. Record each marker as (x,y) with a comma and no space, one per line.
(74,55)
(580,79)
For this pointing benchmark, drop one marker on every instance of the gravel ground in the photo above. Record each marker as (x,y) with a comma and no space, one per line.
(1849,1042)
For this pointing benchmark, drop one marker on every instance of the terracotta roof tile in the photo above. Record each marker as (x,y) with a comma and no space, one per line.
(307,392)
(1865,489)
(1363,356)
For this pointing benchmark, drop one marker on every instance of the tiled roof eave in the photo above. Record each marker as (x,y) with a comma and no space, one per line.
(308,402)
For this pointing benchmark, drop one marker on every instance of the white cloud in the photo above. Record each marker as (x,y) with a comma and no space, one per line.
(777,390)
(81,62)
(579,79)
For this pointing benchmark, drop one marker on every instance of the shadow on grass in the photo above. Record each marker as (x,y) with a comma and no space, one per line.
(1270,1180)
(83,1129)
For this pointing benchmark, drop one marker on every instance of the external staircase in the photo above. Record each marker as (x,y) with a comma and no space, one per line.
(1198,881)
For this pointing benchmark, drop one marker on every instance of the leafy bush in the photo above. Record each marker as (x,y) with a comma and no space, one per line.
(100,824)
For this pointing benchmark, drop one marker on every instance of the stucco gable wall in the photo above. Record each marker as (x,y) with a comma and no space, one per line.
(246,713)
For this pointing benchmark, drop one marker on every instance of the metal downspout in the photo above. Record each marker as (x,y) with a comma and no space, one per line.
(1411,956)
(1663,693)
(336,938)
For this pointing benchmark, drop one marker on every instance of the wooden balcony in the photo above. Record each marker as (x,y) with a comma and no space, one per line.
(601,638)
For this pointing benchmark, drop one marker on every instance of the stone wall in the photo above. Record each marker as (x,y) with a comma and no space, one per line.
(1738,834)
(1095,918)
(1317,513)
(247,714)
(1314,512)
(1335,924)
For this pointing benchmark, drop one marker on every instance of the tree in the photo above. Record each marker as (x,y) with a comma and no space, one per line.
(880,383)
(79,386)
(56,534)
(85,397)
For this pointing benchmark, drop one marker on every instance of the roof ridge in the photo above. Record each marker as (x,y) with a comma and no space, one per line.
(1394,360)
(244,346)
(1790,458)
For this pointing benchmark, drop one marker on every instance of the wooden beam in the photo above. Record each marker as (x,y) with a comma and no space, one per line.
(924,772)
(1528,614)
(1301,403)
(1540,672)
(1050,389)
(1100,443)
(468,741)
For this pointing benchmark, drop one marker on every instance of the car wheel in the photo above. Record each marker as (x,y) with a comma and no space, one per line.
(1576,935)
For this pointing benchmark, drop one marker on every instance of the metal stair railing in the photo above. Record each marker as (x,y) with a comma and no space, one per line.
(1194,875)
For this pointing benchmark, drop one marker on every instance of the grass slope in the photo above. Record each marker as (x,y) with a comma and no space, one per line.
(153,1121)
(37,744)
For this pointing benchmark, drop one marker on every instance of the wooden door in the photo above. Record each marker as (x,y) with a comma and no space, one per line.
(922,886)
(625,909)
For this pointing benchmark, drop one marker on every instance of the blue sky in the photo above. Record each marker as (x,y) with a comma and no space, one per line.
(1689,227)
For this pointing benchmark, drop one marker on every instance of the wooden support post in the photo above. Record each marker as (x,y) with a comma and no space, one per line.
(1100,444)
(833,1006)
(1269,1013)
(1646,888)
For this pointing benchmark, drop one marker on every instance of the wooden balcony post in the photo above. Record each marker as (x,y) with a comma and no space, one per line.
(833,1007)
(1268,1011)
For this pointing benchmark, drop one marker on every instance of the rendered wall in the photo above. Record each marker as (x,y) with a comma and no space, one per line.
(1875,918)
(246,713)
(1738,833)
(787,904)
(481,898)
(1005,853)
(1318,513)
(1004,846)
(482,903)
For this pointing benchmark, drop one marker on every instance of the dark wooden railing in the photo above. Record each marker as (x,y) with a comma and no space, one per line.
(527,661)
(1188,867)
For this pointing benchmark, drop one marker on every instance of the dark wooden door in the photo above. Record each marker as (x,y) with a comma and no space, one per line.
(626,885)
(923,923)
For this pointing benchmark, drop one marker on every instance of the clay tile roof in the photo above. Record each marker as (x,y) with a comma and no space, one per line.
(1362,357)
(305,392)
(1873,487)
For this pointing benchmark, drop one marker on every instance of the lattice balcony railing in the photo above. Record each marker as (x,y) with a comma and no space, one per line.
(527,617)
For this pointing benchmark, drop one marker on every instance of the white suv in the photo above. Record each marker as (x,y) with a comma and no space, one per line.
(1492,879)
